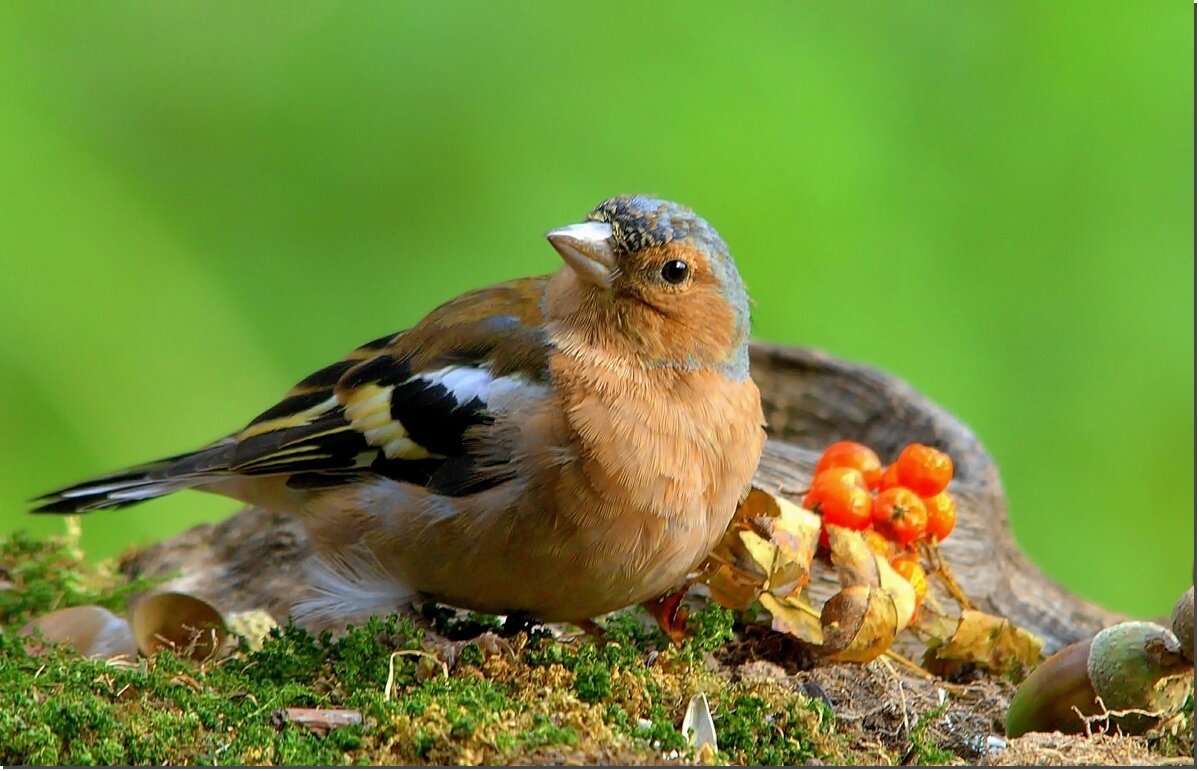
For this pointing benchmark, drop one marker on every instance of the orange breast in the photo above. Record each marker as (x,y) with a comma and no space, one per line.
(662,458)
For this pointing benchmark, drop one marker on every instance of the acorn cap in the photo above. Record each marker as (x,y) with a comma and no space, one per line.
(1138,665)
(185,624)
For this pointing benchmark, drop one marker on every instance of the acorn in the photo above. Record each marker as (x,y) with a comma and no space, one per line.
(1136,665)
(1183,623)
(95,632)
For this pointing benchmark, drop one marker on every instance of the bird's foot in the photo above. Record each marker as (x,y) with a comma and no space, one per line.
(667,610)
(473,651)
(591,629)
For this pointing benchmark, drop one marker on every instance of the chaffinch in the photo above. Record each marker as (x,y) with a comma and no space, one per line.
(561,446)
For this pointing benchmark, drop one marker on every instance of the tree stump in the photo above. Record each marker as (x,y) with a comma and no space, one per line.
(256,558)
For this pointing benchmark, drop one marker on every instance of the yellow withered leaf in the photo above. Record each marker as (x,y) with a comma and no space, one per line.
(733,588)
(860,623)
(768,547)
(795,535)
(766,555)
(793,616)
(762,552)
(899,590)
(986,641)
(857,565)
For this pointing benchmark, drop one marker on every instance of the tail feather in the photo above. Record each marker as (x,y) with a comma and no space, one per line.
(138,483)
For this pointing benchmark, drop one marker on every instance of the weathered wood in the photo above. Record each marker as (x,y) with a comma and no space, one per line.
(255,559)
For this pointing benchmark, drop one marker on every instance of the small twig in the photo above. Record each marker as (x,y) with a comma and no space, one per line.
(74,534)
(905,661)
(1086,723)
(903,701)
(1106,714)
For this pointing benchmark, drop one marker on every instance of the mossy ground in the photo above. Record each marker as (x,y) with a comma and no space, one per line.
(535,699)
(527,698)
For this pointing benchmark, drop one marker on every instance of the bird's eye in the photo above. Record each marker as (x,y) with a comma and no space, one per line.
(675,271)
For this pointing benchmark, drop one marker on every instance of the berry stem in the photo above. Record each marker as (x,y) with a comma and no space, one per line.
(940,568)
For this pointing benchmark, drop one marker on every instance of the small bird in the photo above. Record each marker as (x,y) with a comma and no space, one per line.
(559,446)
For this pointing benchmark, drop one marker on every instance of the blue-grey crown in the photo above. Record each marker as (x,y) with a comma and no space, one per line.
(641,222)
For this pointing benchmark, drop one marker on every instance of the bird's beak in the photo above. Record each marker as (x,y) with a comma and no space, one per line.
(587,248)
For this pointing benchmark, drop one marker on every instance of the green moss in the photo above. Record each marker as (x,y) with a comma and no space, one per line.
(545,733)
(593,681)
(657,726)
(787,729)
(627,627)
(708,629)
(625,695)
(46,574)
(925,750)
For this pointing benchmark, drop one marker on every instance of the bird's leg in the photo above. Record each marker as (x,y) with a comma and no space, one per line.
(670,616)
(448,644)
(591,628)
(516,622)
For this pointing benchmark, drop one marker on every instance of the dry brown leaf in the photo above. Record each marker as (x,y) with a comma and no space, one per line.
(986,641)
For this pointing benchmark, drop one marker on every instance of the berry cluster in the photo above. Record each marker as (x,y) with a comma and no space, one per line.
(895,507)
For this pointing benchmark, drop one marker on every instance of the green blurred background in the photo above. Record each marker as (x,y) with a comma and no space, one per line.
(200,203)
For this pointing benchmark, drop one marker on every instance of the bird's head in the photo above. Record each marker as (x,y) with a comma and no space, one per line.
(655,278)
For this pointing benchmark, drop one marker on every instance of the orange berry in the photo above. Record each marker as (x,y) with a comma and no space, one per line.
(839,476)
(840,496)
(849,454)
(923,470)
(899,514)
(942,516)
(889,479)
(848,507)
